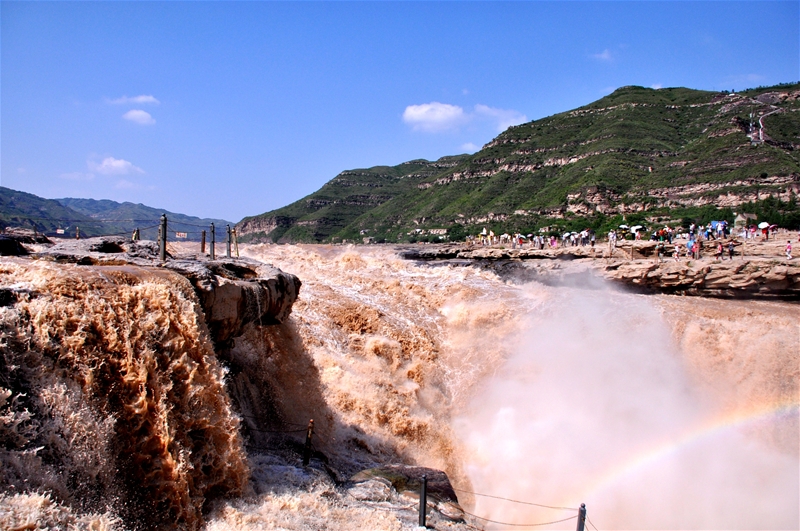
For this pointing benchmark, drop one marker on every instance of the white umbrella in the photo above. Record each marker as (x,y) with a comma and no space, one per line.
(623,226)
(636,227)
(763,225)
(566,234)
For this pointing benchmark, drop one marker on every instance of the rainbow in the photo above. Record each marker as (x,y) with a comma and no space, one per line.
(705,430)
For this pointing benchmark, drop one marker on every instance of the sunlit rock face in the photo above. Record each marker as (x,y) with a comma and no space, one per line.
(233,292)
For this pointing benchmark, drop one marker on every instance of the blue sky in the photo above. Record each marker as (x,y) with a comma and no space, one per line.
(229,109)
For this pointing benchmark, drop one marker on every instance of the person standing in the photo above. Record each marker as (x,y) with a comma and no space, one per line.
(789,250)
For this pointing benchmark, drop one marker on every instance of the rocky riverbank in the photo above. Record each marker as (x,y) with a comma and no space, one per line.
(232,292)
(757,271)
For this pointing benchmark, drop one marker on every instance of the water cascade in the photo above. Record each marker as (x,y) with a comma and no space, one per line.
(656,411)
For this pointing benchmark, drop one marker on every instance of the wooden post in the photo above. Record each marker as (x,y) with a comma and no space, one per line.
(423,500)
(307,449)
(203,242)
(211,246)
(235,242)
(162,239)
(228,242)
(581,517)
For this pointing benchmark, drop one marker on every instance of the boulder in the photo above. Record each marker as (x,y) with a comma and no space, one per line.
(406,480)
(26,235)
(237,292)
(11,247)
(375,489)
(104,250)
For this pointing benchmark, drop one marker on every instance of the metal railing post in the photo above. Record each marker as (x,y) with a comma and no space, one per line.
(162,238)
(423,500)
(211,245)
(203,242)
(581,517)
(307,449)
(228,242)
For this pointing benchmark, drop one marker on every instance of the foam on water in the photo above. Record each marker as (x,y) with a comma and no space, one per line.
(654,411)
(559,395)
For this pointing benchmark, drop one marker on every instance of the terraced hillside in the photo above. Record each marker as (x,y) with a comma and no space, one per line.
(332,209)
(638,154)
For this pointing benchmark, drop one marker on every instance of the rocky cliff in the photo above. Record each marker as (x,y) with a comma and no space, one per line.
(761,273)
(114,391)
(233,292)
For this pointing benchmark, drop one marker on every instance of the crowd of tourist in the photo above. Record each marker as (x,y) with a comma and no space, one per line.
(686,243)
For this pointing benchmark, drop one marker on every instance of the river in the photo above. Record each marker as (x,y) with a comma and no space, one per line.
(655,411)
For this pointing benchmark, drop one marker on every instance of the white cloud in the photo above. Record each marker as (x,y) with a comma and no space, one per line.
(125,100)
(503,118)
(77,176)
(123,184)
(469,147)
(605,55)
(437,117)
(112,166)
(434,116)
(656,86)
(139,116)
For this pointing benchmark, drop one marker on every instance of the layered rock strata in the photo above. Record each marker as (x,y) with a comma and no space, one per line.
(233,292)
(758,275)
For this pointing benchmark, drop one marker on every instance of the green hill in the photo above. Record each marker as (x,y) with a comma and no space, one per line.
(331,210)
(93,217)
(132,215)
(20,209)
(645,155)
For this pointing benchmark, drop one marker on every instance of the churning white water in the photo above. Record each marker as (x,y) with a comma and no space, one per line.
(596,405)
(657,412)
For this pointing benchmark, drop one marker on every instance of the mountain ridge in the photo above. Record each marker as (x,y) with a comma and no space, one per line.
(655,154)
(94,217)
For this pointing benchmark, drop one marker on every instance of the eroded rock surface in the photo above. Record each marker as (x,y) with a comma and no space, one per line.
(383,484)
(233,292)
(762,274)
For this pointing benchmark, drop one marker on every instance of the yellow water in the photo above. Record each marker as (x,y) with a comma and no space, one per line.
(654,411)
(129,404)
(557,396)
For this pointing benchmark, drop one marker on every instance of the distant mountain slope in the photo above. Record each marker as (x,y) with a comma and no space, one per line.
(334,207)
(112,210)
(20,209)
(657,155)
(93,217)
